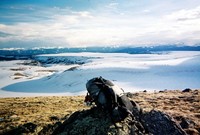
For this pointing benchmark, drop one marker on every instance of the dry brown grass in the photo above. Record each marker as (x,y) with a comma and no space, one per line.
(38,110)
(175,103)
(48,110)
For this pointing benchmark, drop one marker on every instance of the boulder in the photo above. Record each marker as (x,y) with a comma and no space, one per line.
(159,123)
(187,90)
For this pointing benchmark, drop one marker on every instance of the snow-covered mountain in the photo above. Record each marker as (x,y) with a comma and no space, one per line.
(22,53)
(59,59)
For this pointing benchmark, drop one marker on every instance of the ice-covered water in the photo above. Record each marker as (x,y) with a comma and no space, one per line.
(132,72)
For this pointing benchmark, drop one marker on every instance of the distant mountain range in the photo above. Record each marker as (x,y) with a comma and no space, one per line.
(13,54)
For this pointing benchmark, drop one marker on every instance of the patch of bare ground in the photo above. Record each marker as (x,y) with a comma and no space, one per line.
(184,107)
(18,75)
(18,69)
(46,70)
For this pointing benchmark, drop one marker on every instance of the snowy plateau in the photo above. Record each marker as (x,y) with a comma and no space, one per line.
(67,73)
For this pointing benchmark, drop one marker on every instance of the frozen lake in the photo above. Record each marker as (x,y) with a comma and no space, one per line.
(132,72)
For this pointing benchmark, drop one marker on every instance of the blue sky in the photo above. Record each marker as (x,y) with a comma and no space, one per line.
(81,23)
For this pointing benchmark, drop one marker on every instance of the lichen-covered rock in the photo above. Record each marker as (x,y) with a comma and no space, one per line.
(49,129)
(98,122)
(85,122)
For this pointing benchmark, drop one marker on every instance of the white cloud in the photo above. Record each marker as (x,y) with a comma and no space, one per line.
(183,15)
(89,28)
(146,11)
(112,5)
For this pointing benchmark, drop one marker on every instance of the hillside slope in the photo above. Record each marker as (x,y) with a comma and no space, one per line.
(31,115)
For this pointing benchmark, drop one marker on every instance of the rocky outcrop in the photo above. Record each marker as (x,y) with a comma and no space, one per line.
(98,122)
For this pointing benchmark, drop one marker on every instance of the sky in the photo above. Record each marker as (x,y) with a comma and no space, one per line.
(84,23)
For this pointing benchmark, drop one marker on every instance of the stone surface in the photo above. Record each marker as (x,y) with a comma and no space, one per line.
(98,122)
(159,123)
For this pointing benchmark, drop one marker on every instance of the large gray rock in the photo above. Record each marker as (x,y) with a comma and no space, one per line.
(159,123)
